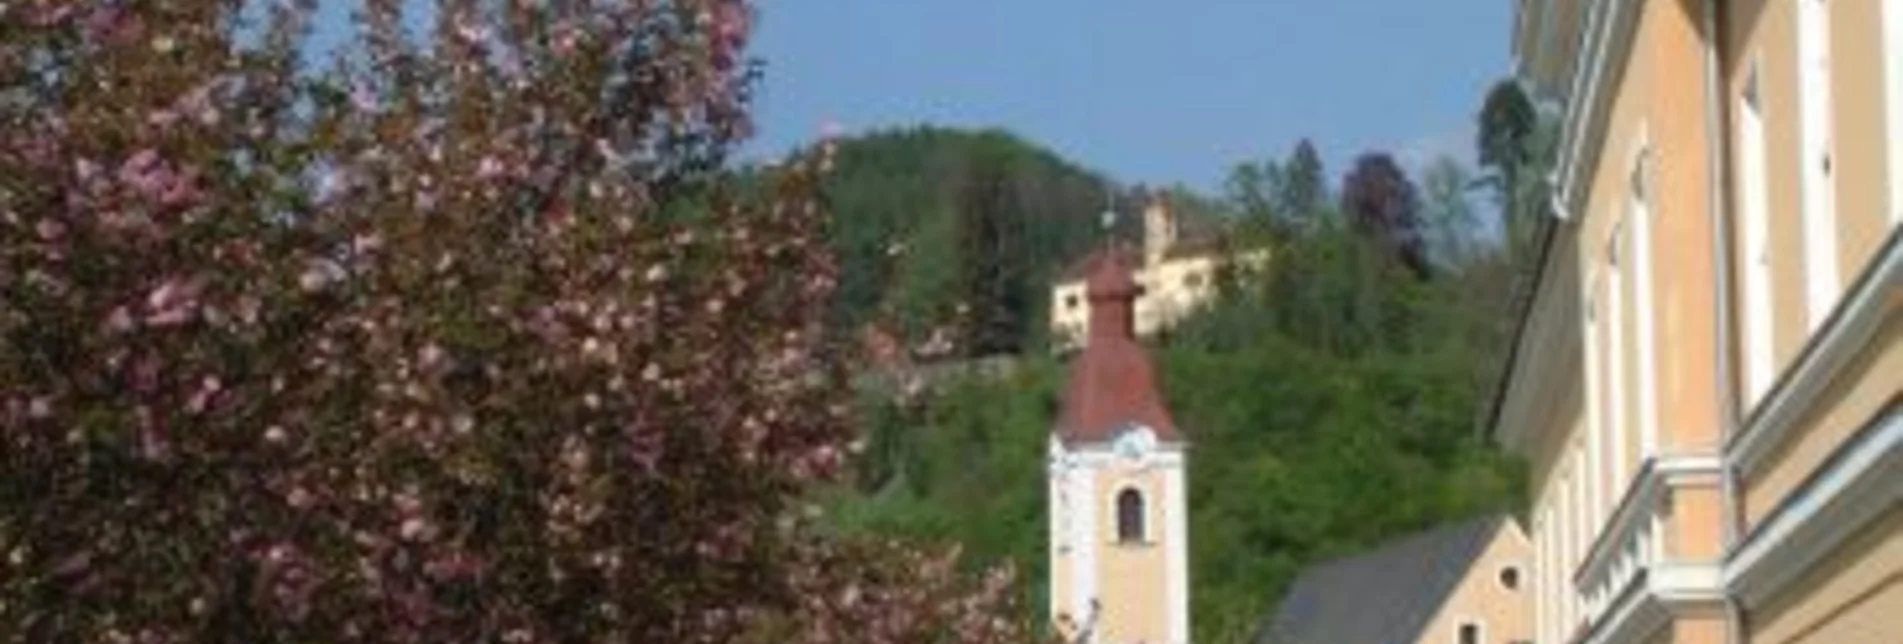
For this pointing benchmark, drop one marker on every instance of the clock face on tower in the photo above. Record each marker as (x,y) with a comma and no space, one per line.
(1135,441)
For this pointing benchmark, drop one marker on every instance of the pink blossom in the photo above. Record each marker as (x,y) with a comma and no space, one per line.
(317,275)
(152,443)
(138,165)
(414,529)
(49,14)
(489,168)
(39,408)
(50,229)
(145,375)
(299,498)
(86,170)
(119,320)
(731,23)
(174,302)
(109,22)
(75,564)
(180,192)
(200,103)
(149,177)
(162,119)
(472,33)
(454,566)
(202,398)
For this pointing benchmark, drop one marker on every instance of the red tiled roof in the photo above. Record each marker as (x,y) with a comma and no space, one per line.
(1112,383)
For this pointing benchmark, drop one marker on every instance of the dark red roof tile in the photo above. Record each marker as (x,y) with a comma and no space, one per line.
(1112,383)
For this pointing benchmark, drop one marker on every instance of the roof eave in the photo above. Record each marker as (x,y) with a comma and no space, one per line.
(1522,315)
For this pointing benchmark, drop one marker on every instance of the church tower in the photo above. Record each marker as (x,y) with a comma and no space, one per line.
(1119,533)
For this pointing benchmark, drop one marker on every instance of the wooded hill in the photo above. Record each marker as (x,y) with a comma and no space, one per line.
(1330,407)
(961,233)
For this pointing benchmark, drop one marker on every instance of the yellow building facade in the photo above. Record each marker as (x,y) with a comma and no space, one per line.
(1707,372)
(1177,276)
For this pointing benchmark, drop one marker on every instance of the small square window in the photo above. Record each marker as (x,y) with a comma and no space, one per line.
(1469,633)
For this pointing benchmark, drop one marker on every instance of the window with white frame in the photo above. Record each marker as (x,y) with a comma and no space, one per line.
(1755,259)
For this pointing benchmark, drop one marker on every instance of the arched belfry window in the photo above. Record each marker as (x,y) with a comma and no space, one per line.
(1129,516)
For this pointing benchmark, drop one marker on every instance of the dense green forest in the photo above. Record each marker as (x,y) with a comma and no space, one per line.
(959,231)
(927,219)
(1331,405)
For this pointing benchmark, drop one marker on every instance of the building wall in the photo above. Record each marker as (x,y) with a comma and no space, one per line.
(1764,35)
(1606,254)
(1700,628)
(1070,314)
(1505,615)
(1557,551)
(1694,527)
(1134,581)
(1172,289)
(1552,403)
(1642,244)
(1867,386)
(1552,463)
(1651,383)
(1683,314)
(1861,164)
(1641,237)
(1856,597)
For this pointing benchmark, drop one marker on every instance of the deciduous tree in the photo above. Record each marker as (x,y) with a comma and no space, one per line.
(458,338)
(1383,204)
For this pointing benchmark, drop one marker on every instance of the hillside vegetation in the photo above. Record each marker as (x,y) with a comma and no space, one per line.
(959,233)
(927,219)
(1331,406)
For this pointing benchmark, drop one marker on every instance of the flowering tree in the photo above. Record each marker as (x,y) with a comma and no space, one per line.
(452,336)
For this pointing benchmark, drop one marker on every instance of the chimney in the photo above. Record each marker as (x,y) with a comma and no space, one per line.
(1159,230)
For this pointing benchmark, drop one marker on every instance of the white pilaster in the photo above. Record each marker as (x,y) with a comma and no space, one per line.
(1893,101)
(1820,221)
(1177,514)
(1644,308)
(1084,561)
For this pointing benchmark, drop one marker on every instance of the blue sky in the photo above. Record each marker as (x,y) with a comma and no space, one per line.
(1146,90)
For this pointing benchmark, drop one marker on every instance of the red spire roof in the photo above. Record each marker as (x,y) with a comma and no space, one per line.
(1112,384)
